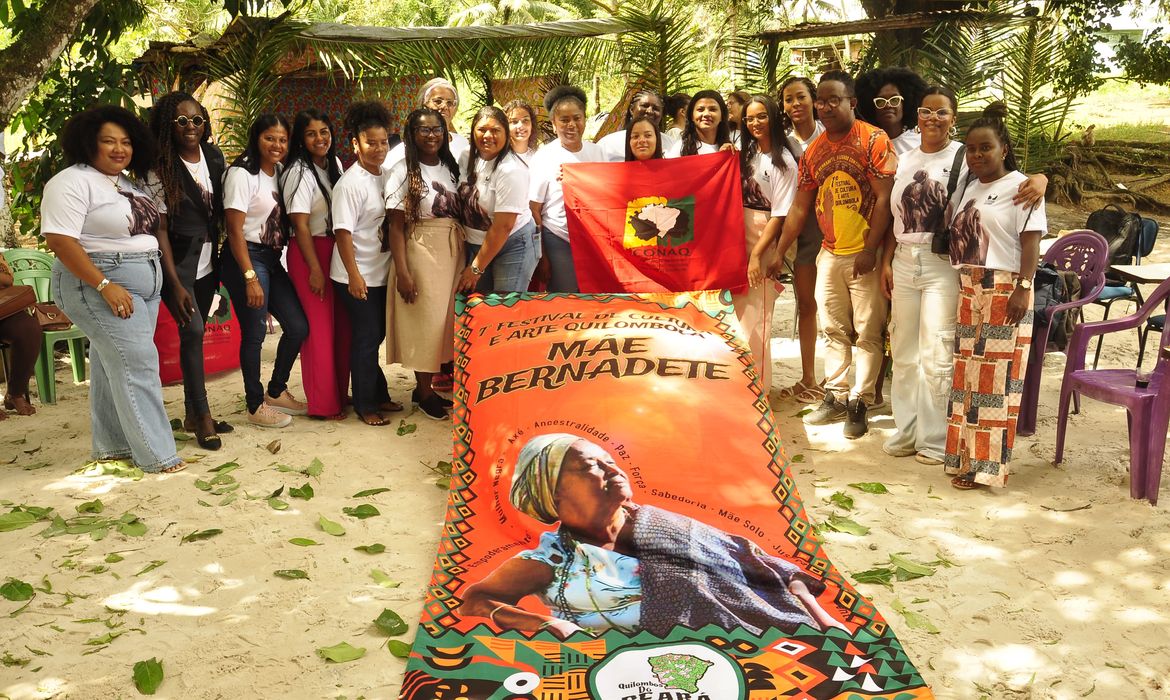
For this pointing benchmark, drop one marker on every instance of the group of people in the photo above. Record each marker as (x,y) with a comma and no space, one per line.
(856,177)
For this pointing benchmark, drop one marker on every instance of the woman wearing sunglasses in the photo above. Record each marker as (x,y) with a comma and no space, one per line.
(188,191)
(886,98)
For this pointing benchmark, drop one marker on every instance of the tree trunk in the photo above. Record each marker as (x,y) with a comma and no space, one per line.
(24,64)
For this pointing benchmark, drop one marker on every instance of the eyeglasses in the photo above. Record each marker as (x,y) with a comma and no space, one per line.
(183,120)
(938,114)
(441,102)
(883,102)
(429,130)
(831,103)
(756,118)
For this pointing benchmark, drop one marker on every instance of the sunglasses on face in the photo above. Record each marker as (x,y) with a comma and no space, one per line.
(184,120)
(939,114)
(883,102)
(428,130)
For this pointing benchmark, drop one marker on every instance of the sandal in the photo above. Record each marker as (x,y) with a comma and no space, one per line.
(173,468)
(796,389)
(390,406)
(221,426)
(964,483)
(811,394)
(374,419)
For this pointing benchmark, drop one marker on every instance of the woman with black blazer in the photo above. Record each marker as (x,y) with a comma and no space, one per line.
(188,191)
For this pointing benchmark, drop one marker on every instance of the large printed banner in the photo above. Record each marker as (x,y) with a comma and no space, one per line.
(622,523)
(657,226)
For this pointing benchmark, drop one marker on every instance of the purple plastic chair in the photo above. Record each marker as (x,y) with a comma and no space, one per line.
(1086,253)
(1148,408)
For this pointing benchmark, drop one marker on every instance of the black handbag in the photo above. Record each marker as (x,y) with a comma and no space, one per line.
(940,242)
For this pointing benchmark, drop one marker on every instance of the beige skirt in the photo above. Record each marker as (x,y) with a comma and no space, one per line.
(421,335)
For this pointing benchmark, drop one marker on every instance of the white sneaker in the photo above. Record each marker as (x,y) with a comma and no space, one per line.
(266,417)
(287,404)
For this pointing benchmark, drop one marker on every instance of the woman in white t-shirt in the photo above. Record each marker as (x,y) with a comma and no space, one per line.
(104,228)
(361,262)
(188,191)
(501,246)
(644,103)
(768,173)
(522,129)
(306,187)
(427,245)
(254,276)
(440,95)
(707,129)
(566,108)
(995,244)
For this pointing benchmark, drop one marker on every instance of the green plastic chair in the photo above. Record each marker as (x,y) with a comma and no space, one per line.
(34,268)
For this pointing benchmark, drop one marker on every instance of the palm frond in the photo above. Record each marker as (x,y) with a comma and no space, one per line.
(662,51)
(1030,59)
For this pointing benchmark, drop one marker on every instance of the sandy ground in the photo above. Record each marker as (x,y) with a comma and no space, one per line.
(1060,586)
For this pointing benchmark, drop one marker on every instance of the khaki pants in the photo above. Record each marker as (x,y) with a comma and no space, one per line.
(851,310)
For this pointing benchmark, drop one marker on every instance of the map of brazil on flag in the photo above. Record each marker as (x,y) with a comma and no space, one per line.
(657,226)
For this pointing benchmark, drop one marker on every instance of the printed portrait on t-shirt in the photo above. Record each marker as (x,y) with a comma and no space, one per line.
(968,240)
(753,194)
(272,234)
(474,215)
(144,217)
(923,204)
(446,204)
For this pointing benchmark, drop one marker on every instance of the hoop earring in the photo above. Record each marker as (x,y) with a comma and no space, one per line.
(917,129)
(954,131)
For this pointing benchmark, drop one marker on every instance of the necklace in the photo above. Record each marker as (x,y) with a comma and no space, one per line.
(114,180)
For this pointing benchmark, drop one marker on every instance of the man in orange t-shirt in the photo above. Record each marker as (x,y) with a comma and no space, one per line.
(845,177)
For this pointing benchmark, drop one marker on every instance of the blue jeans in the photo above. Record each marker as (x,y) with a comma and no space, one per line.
(511,270)
(280,300)
(367,319)
(562,274)
(125,394)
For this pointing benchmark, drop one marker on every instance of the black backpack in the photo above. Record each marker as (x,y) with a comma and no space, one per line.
(1047,291)
(1121,230)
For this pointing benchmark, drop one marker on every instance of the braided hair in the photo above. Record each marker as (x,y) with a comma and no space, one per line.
(638,97)
(416,188)
(690,136)
(162,119)
(994,116)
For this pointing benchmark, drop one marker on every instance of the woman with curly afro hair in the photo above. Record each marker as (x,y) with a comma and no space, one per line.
(888,98)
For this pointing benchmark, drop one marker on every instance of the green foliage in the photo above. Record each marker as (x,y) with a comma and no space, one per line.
(1147,61)
(1031,59)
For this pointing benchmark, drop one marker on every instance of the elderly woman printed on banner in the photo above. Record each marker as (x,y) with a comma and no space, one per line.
(615,564)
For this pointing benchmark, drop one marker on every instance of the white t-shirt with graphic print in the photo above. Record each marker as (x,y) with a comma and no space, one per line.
(106,214)
(498,190)
(774,189)
(986,226)
(256,196)
(359,207)
(440,198)
(302,195)
(202,177)
(919,198)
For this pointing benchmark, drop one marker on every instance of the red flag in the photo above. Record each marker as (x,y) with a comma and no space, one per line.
(657,226)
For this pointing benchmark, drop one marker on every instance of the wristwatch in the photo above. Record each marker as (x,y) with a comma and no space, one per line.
(475,268)
(103,284)
(249,275)
(1024,283)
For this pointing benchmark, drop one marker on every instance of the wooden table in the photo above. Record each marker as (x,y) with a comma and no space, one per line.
(1143,274)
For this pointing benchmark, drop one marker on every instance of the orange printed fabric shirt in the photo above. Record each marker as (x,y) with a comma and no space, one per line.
(840,173)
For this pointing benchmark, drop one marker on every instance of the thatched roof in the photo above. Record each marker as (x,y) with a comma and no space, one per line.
(811,30)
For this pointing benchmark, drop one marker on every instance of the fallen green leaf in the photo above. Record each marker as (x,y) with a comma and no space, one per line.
(16,521)
(797,459)
(314,469)
(376,548)
(94,506)
(362,512)
(398,648)
(225,467)
(14,589)
(148,676)
(370,492)
(871,487)
(340,653)
(881,575)
(840,523)
(290,573)
(842,500)
(913,619)
(908,569)
(391,623)
(383,580)
(277,504)
(303,542)
(405,428)
(330,527)
(305,492)
(202,535)
(151,566)
(114,558)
